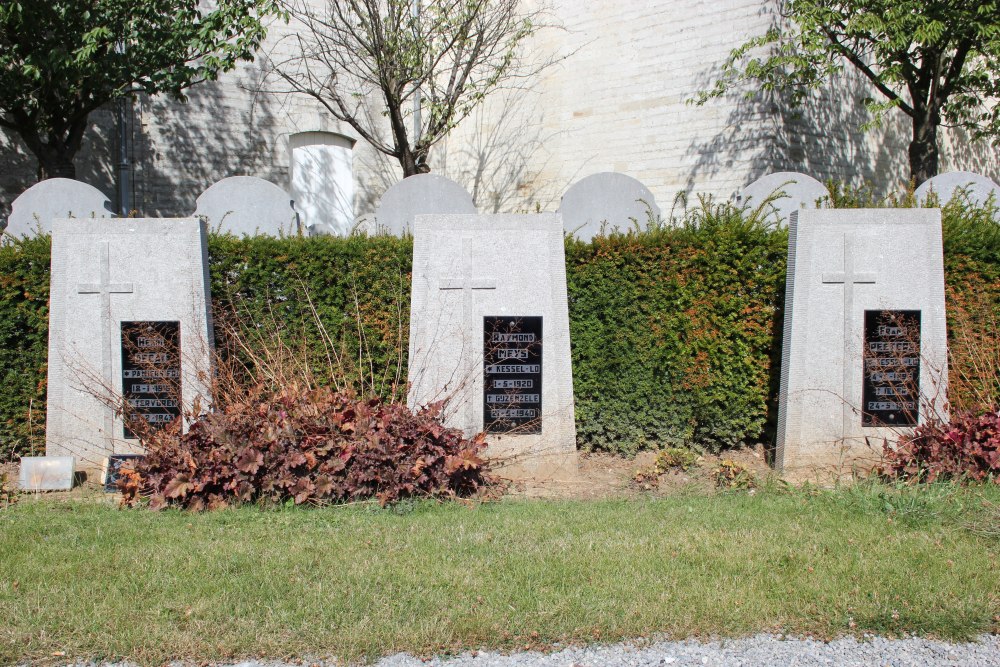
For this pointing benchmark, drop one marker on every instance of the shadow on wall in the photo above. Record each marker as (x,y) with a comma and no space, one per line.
(961,154)
(490,153)
(182,148)
(822,138)
(94,164)
(375,171)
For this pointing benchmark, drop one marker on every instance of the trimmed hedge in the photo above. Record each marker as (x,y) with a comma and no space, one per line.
(341,303)
(24,340)
(675,331)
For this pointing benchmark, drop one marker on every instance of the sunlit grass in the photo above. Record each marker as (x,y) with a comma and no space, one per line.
(96,582)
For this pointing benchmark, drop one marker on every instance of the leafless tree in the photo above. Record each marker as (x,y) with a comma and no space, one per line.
(426,63)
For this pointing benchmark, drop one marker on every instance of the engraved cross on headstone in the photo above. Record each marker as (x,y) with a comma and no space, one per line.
(466,281)
(848,278)
(468,285)
(105,288)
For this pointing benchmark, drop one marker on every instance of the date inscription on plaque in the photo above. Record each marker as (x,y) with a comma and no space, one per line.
(890,393)
(151,375)
(512,374)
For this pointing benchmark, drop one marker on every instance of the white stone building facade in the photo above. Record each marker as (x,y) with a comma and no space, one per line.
(617,100)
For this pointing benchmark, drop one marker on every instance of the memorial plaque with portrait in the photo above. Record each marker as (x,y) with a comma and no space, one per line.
(512,374)
(151,375)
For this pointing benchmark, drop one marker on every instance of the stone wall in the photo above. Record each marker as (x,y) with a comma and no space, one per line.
(615,101)
(618,102)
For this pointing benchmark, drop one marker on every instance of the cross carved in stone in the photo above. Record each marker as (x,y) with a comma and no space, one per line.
(472,329)
(466,283)
(848,278)
(105,288)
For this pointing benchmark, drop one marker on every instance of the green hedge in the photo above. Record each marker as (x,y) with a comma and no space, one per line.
(675,331)
(24,339)
(341,304)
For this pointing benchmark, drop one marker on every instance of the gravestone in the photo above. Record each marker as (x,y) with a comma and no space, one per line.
(47,473)
(35,209)
(976,187)
(248,206)
(864,349)
(489,332)
(128,321)
(423,194)
(116,463)
(605,202)
(792,191)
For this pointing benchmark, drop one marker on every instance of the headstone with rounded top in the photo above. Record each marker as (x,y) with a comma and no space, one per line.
(248,206)
(788,191)
(34,210)
(422,194)
(605,202)
(976,188)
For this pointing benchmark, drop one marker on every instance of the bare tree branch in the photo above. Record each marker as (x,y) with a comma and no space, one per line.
(454,52)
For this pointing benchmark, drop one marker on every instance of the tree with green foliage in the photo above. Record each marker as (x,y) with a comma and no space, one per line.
(417,66)
(62,59)
(936,61)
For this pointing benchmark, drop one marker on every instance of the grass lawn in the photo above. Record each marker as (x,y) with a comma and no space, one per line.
(357,582)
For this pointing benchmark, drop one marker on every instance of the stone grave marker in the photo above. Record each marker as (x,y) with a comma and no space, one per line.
(113,469)
(489,331)
(423,194)
(35,209)
(248,206)
(864,350)
(976,187)
(606,202)
(47,473)
(129,320)
(793,192)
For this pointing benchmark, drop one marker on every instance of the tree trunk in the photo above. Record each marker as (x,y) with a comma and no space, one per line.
(414,161)
(923,150)
(408,162)
(55,164)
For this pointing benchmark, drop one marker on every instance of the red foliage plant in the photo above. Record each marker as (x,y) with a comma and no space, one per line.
(313,446)
(966,448)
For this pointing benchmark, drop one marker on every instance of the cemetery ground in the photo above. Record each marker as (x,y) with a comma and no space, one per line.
(81,579)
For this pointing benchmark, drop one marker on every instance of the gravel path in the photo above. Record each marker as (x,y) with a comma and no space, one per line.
(759,651)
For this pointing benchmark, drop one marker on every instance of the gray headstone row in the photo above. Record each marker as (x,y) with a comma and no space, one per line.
(240,205)
(597,204)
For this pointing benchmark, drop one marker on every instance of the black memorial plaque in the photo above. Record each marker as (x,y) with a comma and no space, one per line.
(512,374)
(117,462)
(890,393)
(151,374)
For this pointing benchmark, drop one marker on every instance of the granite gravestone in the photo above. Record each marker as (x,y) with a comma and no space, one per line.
(423,194)
(791,191)
(129,326)
(975,187)
(34,210)
(116,465)
(489,332)
(864,351)
(605,202)
(46,473)
(248,206)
